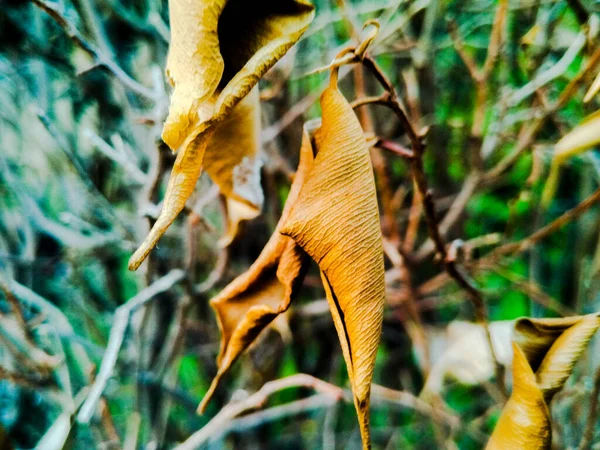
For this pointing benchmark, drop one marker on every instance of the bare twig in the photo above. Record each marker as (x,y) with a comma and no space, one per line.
(418,172)
(117,335)
(544,232)
(588,434)
(100,58)
(257,400)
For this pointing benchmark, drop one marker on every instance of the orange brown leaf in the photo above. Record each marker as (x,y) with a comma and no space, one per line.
(255,298)
(336,221)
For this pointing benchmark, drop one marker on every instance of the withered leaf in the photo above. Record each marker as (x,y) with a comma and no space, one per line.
(525,420)
(251,301)
(233,162)
(219,50)
(545,352)
(336,221)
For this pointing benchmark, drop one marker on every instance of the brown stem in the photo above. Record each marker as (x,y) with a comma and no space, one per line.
(588,434)
(420,179)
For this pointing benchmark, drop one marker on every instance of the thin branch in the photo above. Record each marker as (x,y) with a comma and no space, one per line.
(544,232)
(418,172)
(117,335)
(588,434)
(100,58)
(254,401)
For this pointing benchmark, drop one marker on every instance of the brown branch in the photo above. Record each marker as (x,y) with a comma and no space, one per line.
(418,172)
(17,311)
(544,232)
(255,401)
(117,335)
(588,434)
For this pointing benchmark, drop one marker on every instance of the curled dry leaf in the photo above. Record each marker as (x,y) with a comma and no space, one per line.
(545,352)
(581,138)
(219,50)
(255,298)
(336,221)
(232,160)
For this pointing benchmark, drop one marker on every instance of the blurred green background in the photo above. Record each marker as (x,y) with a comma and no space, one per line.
(79,148)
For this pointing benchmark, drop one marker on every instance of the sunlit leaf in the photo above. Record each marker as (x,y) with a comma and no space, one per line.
(232,160)
(255,298)
(581,138)
(336,221)
(594,89)
(525,420)
(545,352)
(219,50)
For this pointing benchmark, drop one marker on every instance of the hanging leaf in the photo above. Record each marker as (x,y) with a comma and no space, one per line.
(545,352)
(581,138)
(219,50)
(255,298)
(525,420)
(232,161)
(336,221)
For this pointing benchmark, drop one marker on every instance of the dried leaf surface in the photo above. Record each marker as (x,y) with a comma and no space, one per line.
(219,50)
(233,162)
(545,352)
(251,301)
(336,221)
(525,420)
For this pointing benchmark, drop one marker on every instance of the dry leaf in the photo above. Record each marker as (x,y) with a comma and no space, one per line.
(525,420)
(545,352)
(581,138)
(255,298)
(219,50)
(232,161)
(336,221)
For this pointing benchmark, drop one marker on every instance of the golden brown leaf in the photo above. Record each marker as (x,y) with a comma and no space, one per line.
(579,139)
(219,50)
(251,301)
(336,221)
(232,161)
(546,351)
(525,420)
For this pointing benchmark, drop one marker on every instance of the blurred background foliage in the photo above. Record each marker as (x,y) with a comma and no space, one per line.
(80,151)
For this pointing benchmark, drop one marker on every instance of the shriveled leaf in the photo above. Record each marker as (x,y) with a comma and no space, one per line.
(232,160)
(255,298)
(525,420)
(552,347)
(219,50)
(336,221)
(594,89)
(545,352)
